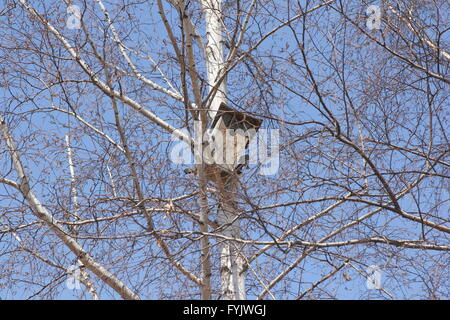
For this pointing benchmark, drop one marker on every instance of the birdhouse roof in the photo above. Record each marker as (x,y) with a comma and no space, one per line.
(234,119)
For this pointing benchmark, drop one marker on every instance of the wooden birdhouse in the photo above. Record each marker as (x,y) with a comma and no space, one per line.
(242,129)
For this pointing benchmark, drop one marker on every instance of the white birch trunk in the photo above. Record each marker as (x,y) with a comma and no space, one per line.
(233,272)
(214,51)
(85,277)
(232,263)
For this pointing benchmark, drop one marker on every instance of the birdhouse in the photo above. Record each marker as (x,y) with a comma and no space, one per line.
(231,130)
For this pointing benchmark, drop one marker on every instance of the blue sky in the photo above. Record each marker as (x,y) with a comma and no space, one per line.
(53,166)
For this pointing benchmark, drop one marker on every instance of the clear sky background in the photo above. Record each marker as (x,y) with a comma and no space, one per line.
(54,167)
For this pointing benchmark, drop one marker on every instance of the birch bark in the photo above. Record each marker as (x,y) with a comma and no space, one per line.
(232,263)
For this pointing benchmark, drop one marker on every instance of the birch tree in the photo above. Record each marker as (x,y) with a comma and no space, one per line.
(98,98)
